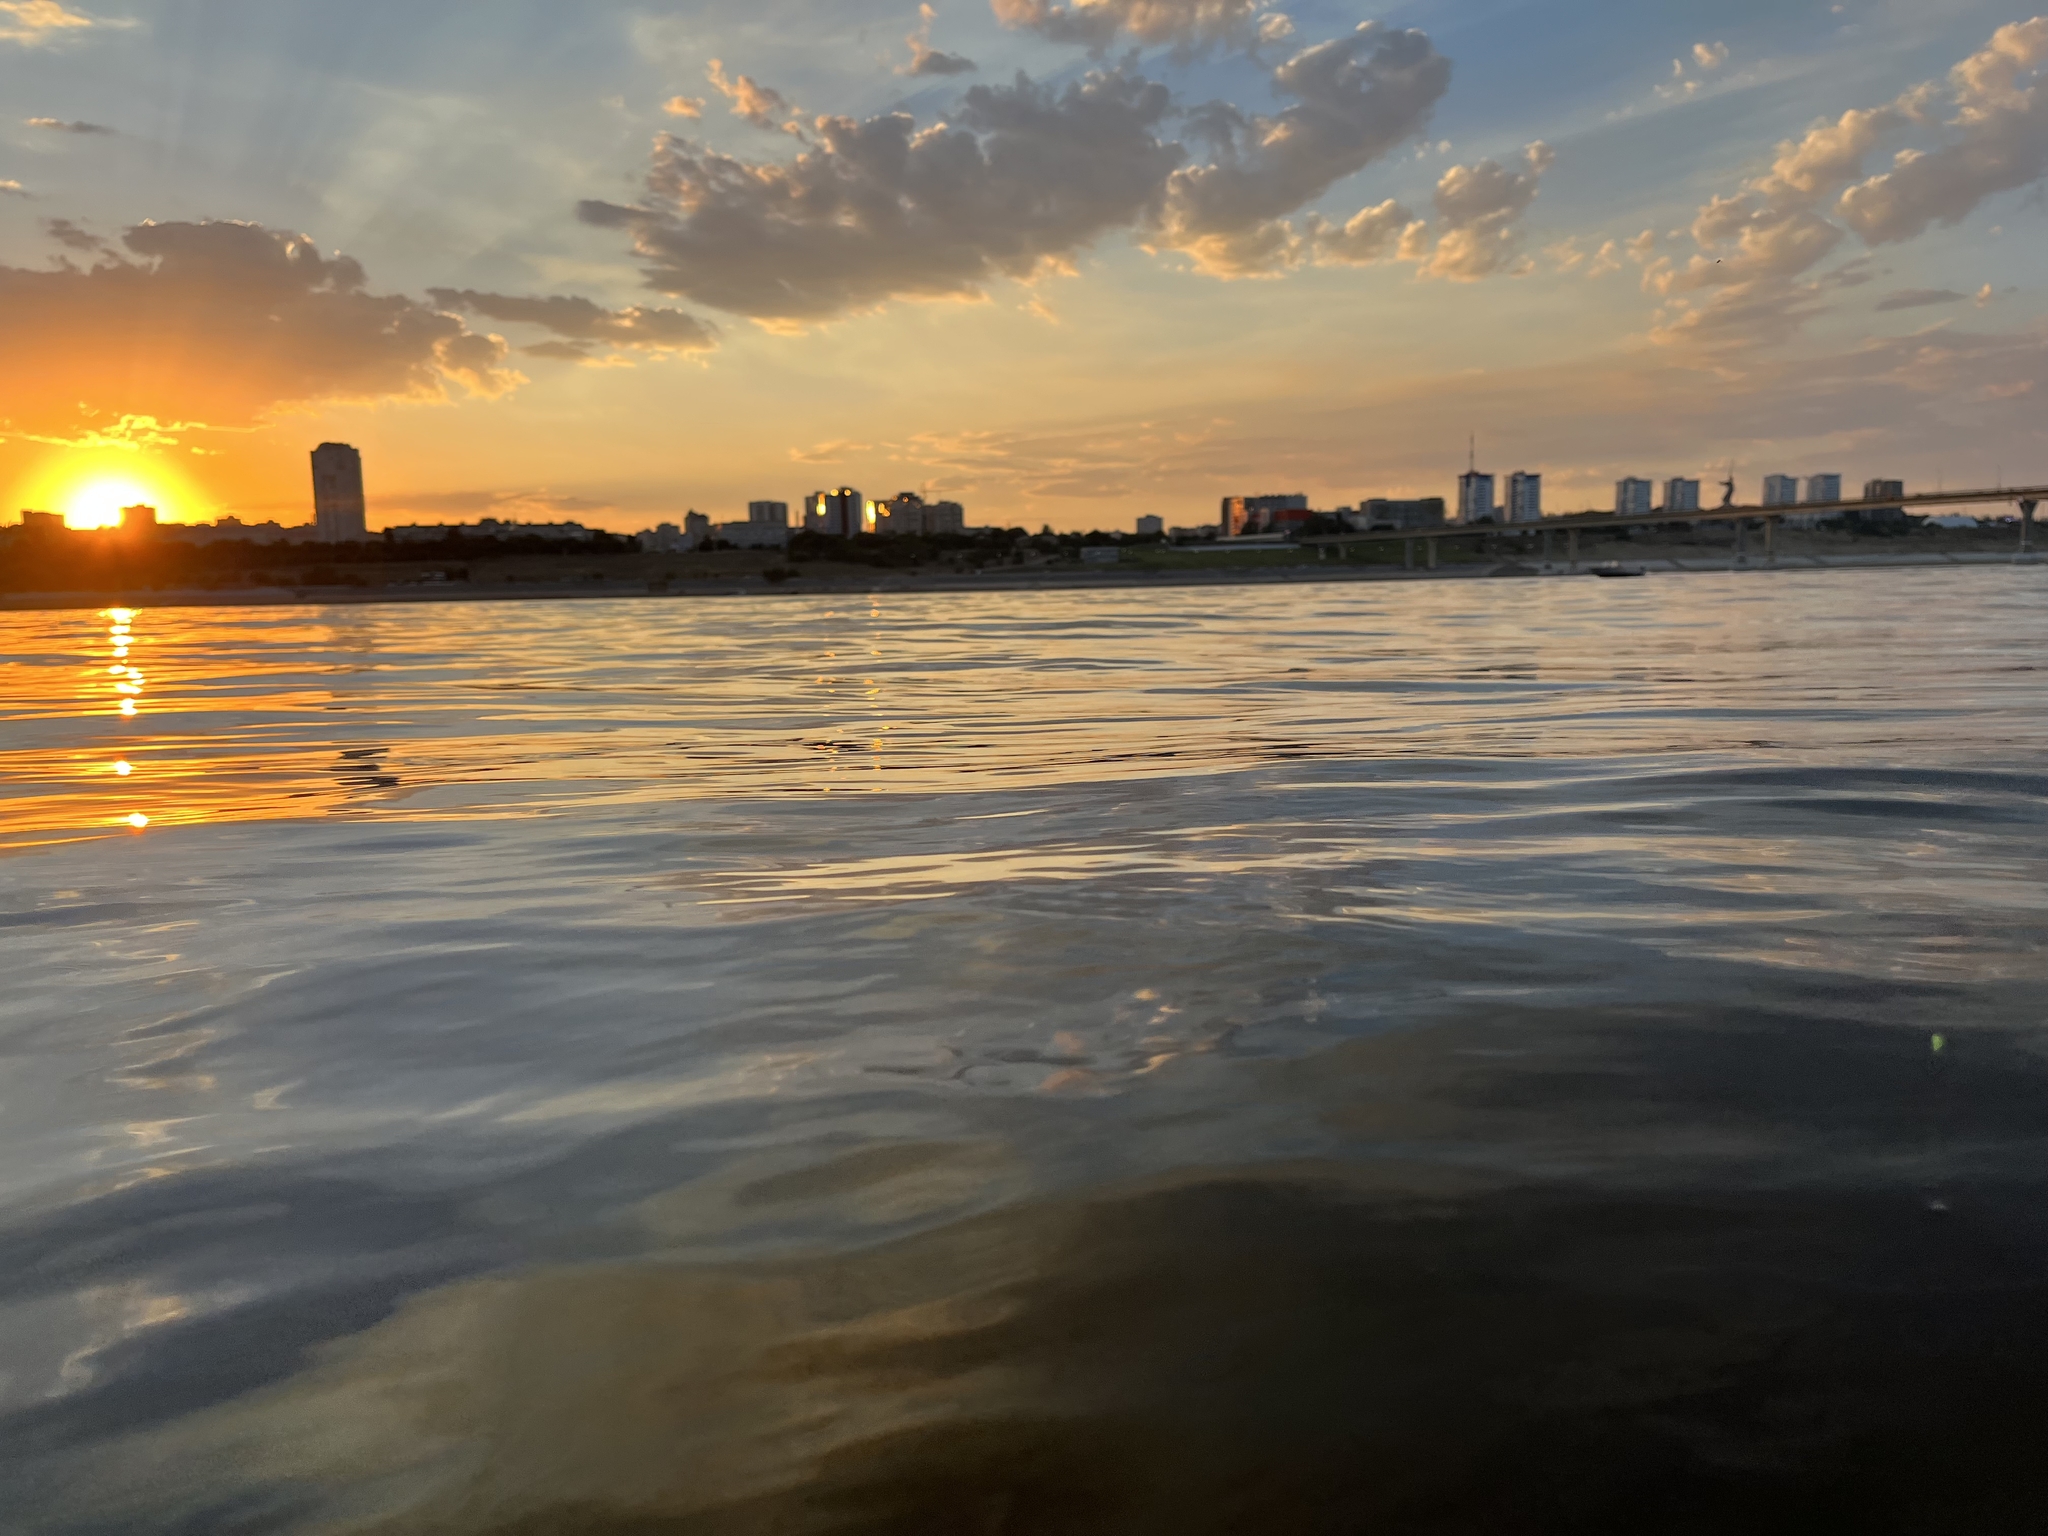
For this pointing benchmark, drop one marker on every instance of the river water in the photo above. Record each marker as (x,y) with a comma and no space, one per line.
(1466,1056)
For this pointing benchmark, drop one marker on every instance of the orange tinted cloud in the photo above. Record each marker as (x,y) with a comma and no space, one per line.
(219,324)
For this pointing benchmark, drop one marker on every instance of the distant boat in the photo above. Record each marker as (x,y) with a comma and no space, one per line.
(1613,568)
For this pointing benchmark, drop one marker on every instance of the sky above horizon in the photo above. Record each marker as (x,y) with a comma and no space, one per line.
(1065,262)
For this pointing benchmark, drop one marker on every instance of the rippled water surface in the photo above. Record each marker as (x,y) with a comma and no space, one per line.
(1467,1056)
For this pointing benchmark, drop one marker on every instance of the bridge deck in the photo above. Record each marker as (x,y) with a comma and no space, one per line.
(1596,521)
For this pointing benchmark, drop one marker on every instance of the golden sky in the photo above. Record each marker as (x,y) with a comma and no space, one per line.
(1066,262)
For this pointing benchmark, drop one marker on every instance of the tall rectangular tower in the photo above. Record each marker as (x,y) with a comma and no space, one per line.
(1475,497)
(1632,496)
(1525,497)
(339,515)
(1681,494)
(1781,490)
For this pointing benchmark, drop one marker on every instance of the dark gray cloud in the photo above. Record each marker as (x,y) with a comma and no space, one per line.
(1354,98)
(927,60)
(934,61)
(58,125)
(1020,176)
(583,325)
(217,323)
(1919,298)
(71,237)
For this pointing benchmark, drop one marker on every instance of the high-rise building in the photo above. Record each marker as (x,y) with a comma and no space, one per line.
(38,525)
(1632,496)
(339,515)
(1525,497)
(138,519)
(1681,495)
(1151,527)
(1255,514)
(1781,490)
(901,514)
(909,513)
(1883,516)
(1820,488)
(838,514)
(1475,497)
(768,514)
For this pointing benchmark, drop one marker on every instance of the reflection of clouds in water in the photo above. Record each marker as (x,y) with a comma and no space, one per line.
(657,1139)
(1318,1348)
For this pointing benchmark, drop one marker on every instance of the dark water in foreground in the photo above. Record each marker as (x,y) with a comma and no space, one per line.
(1421,1059)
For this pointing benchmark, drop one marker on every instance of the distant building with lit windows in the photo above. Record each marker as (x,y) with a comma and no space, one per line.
(339,514)
(1256,514)
(838,514)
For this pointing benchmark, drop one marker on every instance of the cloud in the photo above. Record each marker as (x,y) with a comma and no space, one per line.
(927,60)
(1095,24)
(1021,176)
(834,452)
(31,22)
(71,237)
(585,326)
(2000,142)
(12,189)
(684,106)
(1479,208)
(1758,244)
(1365,237)
(58,125)
(1355,98)
(1918,298)
(751,101)
(1710,55)
(221,323)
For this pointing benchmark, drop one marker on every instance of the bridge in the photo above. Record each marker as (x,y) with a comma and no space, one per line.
(1573,524)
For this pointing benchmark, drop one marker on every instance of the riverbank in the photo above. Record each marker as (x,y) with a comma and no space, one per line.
(854,580)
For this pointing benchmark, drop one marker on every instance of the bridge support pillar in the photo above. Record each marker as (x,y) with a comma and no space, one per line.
(1432,552)
(1770,541)
(1742,541)
(1407,554)
(1546,546)
(1571,547)
(2027,525)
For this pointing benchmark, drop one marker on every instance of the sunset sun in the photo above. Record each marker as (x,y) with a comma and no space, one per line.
(96,502)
